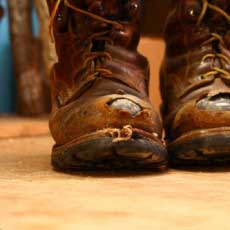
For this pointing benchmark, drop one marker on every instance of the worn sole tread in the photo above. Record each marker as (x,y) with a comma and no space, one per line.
(104,154)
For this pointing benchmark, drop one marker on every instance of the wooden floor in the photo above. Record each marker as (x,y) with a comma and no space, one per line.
(34,196)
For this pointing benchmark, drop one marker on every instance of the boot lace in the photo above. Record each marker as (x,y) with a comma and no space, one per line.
(91,58)
(214,72)
(214,37)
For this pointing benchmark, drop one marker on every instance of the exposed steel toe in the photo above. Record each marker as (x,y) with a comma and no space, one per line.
(195,80)
(102,117)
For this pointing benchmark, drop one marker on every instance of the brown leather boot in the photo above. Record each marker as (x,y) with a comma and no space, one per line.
(102,117)
(195,80)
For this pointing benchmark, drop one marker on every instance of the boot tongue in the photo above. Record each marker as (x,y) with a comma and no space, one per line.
(125,13)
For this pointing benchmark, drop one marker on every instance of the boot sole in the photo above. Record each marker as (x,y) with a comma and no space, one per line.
(203,147)
(102,153)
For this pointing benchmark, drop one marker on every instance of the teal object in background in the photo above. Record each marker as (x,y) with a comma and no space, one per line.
(7,81)
(7,96)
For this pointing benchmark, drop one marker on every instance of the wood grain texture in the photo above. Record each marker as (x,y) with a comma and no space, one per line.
(33,196)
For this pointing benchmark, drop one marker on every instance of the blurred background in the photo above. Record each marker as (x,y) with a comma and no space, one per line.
(27,55)
(7,87)
(7,74)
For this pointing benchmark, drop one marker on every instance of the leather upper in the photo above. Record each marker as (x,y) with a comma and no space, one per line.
(195,71)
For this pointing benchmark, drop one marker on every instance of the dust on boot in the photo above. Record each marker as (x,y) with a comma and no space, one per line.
(102,117)
(195,79)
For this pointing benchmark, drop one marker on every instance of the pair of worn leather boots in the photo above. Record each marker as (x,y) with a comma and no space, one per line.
(102,117)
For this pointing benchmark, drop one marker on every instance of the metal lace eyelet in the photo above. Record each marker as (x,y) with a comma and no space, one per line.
(60,17)
(201,77)
(133,7)
(192,11)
